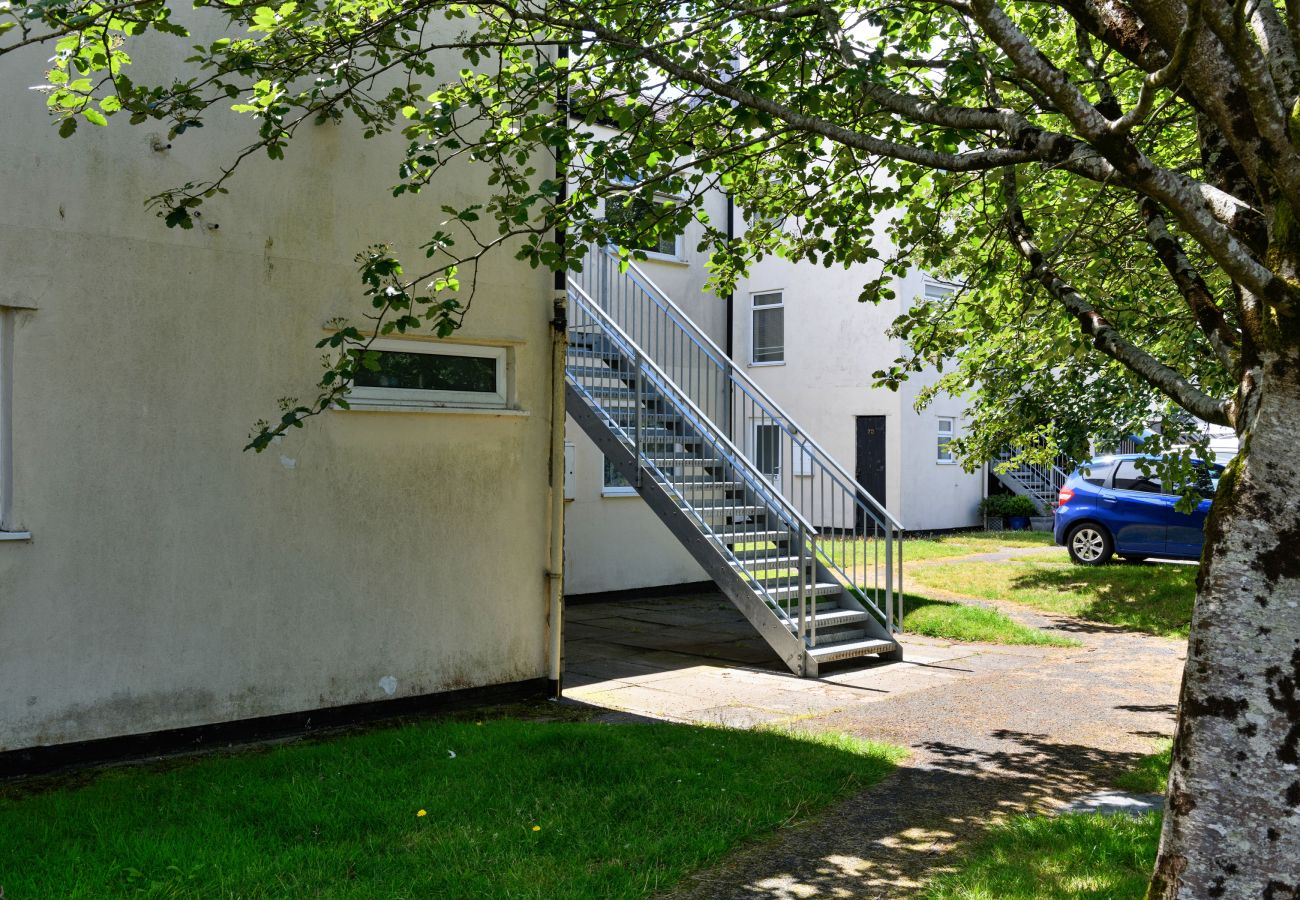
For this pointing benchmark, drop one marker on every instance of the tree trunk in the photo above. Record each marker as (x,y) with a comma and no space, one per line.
(1232,825)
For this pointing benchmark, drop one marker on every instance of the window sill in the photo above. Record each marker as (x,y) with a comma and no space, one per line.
(764,365)
(619,492)
(15,535)
(945,462)
(670,260)
(379,406)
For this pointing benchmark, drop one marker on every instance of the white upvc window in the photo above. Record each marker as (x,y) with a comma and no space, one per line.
(9,530)
(767,329)
(767,450)
(937,290)
(614,484)
(628,213)
(415,374)
(947,431)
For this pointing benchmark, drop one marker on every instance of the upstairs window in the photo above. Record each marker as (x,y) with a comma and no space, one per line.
(637,229)
(768,332)
(947,430)
(414,374)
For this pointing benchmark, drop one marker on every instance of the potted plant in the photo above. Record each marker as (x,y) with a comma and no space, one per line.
(1013,510)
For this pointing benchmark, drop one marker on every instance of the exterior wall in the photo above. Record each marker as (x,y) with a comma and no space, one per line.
(833,343)
(173,579)
(616,543)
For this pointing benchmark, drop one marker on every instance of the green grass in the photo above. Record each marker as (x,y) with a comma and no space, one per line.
(1068,856)
(523,809)
(962,622)
(1151,774)
(966,543)
(1156,599)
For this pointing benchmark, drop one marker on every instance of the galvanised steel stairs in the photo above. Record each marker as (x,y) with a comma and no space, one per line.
(1040,483)
(805,553)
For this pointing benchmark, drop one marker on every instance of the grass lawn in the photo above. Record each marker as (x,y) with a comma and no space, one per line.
(962,622)
(522,809)
(965,543)
(1155,598)
(1070,856)
(1151,774)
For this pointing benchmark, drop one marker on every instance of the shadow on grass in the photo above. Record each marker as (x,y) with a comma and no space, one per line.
(1155,599)
(903,831)
(446,808)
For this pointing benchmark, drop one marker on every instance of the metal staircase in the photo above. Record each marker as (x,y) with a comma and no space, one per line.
(805,553)
(1040,483)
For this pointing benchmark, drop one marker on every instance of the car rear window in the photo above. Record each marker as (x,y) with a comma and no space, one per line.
(1097,473)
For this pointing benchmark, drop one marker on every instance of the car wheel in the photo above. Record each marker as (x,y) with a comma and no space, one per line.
(1090,545)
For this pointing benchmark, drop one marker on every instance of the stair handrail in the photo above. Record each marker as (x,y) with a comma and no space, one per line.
(752,478)
(725,364)
(755,479)
(699,418)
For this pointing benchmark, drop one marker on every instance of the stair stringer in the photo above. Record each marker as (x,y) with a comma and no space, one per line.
(778,635)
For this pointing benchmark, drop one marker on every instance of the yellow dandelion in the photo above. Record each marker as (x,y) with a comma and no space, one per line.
(537,828)
(422,814)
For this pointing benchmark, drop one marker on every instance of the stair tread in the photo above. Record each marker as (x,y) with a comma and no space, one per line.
(849,649)
(829,618)
(820,589)
(751,537)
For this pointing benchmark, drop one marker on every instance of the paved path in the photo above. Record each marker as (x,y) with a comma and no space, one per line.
(993,730)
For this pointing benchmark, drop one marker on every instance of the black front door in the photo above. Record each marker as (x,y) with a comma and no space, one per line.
(870,470)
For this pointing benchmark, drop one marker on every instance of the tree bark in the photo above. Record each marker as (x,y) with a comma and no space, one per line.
(1232,824)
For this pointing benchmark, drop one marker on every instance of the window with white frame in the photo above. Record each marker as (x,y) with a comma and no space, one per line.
(615,485)
(947,430)
(635,221)
(8,525)
(937,290)
(767,450)
(767,333)
(405,374)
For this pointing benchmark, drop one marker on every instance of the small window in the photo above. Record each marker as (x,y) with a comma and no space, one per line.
(769,328)
(946,433)
(414,374)
(615,485)
(633,220)
(935,290)
(1128,477)
(767,450)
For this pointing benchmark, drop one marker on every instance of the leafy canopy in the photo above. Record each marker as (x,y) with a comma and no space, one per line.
(1052,160)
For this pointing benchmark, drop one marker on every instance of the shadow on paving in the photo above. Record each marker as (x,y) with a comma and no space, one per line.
(888,841)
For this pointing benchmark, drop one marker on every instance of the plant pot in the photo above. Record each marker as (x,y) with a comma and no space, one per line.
(1041,523)
(1018,523)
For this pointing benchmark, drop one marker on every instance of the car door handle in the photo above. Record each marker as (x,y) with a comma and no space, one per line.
(1107,497)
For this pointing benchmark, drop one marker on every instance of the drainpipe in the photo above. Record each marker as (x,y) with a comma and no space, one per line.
(555,569)
(731,321)
(559,346)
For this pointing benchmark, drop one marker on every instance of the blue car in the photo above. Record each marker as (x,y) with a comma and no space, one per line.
(1109,507)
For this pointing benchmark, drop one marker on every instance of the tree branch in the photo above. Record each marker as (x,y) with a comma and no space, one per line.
(1105,336)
